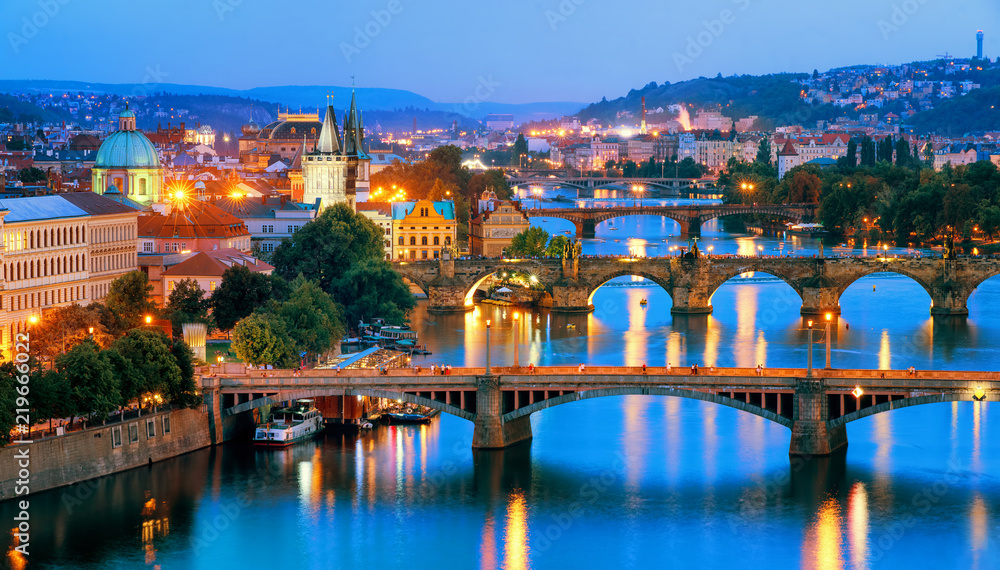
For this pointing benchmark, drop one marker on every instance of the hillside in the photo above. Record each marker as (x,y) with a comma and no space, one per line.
(978,111)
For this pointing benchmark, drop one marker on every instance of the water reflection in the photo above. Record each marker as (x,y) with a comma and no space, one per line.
(821,548)
(516,533)
(857,513)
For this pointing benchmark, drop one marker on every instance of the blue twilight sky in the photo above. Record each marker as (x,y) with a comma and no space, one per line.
(525,50)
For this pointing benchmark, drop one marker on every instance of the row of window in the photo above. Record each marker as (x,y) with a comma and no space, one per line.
(18,240)
(112,262)
(133,431)
(46,298)
(44,267)
(171,284)
(412,254)
(423,240)
(112,233)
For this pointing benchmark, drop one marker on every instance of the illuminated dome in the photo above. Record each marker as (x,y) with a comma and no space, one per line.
(127,147)
(251,128)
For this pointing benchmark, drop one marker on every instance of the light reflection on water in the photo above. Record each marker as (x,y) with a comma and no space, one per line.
(625,481)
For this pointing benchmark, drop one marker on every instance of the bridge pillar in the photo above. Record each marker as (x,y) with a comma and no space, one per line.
(691,228)
(491,432)
(586,229)
(571,298)
(691,300)
(949,300)
(817,301)
(447,299)
(810,433)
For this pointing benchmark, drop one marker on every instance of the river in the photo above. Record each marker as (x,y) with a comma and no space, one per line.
(625,482)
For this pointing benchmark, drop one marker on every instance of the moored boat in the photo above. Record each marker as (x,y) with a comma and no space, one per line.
(288,426)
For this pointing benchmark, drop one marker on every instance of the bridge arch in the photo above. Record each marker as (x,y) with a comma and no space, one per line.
(625,272)
(648,391)
(867,270)
(371,392)
(897,404)
(723,277)
(480,278)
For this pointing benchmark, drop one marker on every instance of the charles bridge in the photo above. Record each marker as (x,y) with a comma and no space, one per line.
(690,217)
(569,284)
(815,405)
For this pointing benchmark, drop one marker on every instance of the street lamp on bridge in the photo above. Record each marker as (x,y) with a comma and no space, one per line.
(488,372)
(829,318)
(809,359)
(638,189)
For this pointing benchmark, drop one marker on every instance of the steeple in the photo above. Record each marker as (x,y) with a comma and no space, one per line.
(352,129)
(329,137)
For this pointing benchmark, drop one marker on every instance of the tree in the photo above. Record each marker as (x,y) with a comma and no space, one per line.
(688,168)
(8,400)
(804,187)
(529,243)
(62,328)
(312,319)
(49,389)
(556,245)
(372,288)
(903,156)
(520,149)
(184,393)
(852,153)
(188,304)
(989,220)
(93,388)
(258,340)
(764,152)
(240,293)
(327,247)
(868,152)
(128,302)
(492,179)
(156,368)
(31,175)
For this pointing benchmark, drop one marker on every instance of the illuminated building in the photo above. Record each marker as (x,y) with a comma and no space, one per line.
(338,167)
(128,161)
(496,225)
(422,229)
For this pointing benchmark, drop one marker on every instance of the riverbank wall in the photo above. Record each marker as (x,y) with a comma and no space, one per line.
(102,450)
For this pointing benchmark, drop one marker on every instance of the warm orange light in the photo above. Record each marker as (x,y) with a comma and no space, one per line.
(487,323)
(149,319)
(829,316)
(810,324)
(857,391)
(32,319)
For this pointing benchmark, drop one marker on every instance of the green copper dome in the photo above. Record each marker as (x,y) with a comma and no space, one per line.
(127,149)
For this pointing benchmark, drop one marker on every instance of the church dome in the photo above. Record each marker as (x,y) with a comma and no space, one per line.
(127,149)
(251,128)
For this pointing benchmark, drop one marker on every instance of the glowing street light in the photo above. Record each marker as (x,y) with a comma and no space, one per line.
(488,372)
(858,392)
(149,319)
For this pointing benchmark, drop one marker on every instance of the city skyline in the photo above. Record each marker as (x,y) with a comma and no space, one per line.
(374,45)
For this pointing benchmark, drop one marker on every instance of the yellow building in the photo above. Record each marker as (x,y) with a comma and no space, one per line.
(58,250)
(495,227)
(423,228)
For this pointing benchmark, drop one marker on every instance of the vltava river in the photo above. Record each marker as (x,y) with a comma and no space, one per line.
(626,482)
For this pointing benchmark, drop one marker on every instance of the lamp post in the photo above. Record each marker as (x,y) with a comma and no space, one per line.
(517,339)
(488,371)
(809,361)
(829,317)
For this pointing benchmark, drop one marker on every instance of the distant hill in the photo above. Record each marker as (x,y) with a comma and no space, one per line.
(307,97)
(977,111)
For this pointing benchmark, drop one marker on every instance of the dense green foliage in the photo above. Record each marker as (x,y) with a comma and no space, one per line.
(128,302)
(187,304)
(240,292)
(529,243)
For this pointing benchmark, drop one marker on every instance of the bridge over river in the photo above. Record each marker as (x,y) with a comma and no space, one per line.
(690,217)
(815,405)
(569,284)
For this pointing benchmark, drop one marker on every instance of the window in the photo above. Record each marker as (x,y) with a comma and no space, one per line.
(436,254)
(423,254)
(267,229)
(133,432)
(267,247)
(293,229)
(150,428)
(211,285)
(170,285)
(166,424)
(437,240)
(423,240)
(447,240)
(413,240)
(116,437)
(401,240)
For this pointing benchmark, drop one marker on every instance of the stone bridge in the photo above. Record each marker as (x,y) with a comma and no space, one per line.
(819,282)
(814,406)
(690,217)
(589,183)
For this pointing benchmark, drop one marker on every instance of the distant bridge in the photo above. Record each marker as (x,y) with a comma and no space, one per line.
(589,183)
(690,217)
(570,284)
(816,407)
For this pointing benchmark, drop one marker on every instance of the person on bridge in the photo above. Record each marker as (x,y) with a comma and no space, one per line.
(668,368)
(643,367)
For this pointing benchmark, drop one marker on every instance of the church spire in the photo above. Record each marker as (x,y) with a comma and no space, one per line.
(329,136)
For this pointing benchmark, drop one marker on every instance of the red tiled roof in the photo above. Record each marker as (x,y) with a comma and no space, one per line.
(215,263)
(192,219)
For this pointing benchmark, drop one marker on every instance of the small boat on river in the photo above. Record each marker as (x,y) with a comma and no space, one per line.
(288,426)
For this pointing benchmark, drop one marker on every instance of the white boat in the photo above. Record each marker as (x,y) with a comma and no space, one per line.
(288,426)
(399,335)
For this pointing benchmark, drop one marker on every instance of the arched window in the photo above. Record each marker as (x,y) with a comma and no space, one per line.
(31,241)
(401,240)
(423,240)
(18,270)
(437,240)
(413,240)
(447,240)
